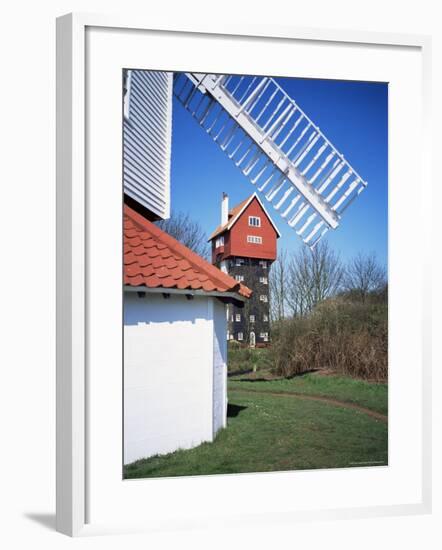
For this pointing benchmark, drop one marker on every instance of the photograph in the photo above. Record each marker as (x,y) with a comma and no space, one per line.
(254,273)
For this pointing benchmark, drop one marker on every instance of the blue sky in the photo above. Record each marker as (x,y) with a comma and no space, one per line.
(353,116)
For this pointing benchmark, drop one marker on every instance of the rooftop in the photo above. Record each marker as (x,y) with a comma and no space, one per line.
(235,213)
(154,259)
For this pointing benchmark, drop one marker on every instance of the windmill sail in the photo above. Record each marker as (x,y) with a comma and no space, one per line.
(276,146)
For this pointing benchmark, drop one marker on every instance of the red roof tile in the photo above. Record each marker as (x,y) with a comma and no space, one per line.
(154,259)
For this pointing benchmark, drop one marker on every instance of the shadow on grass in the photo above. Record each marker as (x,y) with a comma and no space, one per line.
(239,372)
(234,410)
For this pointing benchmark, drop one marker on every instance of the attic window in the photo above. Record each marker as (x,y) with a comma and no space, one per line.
(127,80)
(219,242)
(254,221)
(254,239)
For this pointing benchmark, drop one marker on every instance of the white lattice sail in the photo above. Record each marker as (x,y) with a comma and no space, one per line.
(276,146)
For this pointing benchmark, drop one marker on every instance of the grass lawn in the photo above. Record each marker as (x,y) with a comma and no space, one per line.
(267,432)
(371,395)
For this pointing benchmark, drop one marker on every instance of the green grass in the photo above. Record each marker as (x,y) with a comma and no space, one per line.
(275,433)
(366,394)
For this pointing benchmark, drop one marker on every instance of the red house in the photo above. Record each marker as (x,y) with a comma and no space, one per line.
(244,245)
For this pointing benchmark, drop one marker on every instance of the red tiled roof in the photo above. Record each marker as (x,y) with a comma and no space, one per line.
(154,259)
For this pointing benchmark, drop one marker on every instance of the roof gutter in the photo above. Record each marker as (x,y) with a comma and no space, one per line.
(227,296)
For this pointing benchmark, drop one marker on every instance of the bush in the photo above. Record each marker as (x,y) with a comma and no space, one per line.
(242,358)
(347,338)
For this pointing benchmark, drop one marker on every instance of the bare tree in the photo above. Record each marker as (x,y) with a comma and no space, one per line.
(187,231)
(313,277)
(278,287)
(364,275)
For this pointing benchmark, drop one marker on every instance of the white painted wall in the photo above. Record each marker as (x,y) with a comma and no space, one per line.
(147,140)
(170,349)
(219,366)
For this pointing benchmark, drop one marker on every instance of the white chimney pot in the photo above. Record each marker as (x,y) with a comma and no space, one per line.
(225,209)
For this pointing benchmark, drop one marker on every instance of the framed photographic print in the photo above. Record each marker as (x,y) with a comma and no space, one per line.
(241,217)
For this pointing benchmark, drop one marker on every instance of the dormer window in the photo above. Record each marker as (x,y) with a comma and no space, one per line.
(254,239)
(219,242)
(254,221)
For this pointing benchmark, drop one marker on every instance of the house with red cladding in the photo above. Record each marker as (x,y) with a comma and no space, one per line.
(244,245)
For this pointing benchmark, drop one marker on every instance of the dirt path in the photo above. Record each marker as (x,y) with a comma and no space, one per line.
(328,400)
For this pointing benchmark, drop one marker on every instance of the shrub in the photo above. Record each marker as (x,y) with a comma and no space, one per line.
(347,338)
(242,358)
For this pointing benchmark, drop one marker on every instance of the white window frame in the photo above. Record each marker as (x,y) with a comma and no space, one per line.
(264,280)
(264,298)
(239,262)
(252,220)
(264,336)
(219,241)
(240,336)
(415,475)
(254,239)
(263,264)
(238,317)
(239,278)
(252,318)
(265,318)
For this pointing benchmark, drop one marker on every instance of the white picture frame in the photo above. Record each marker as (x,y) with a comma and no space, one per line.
(74,475)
